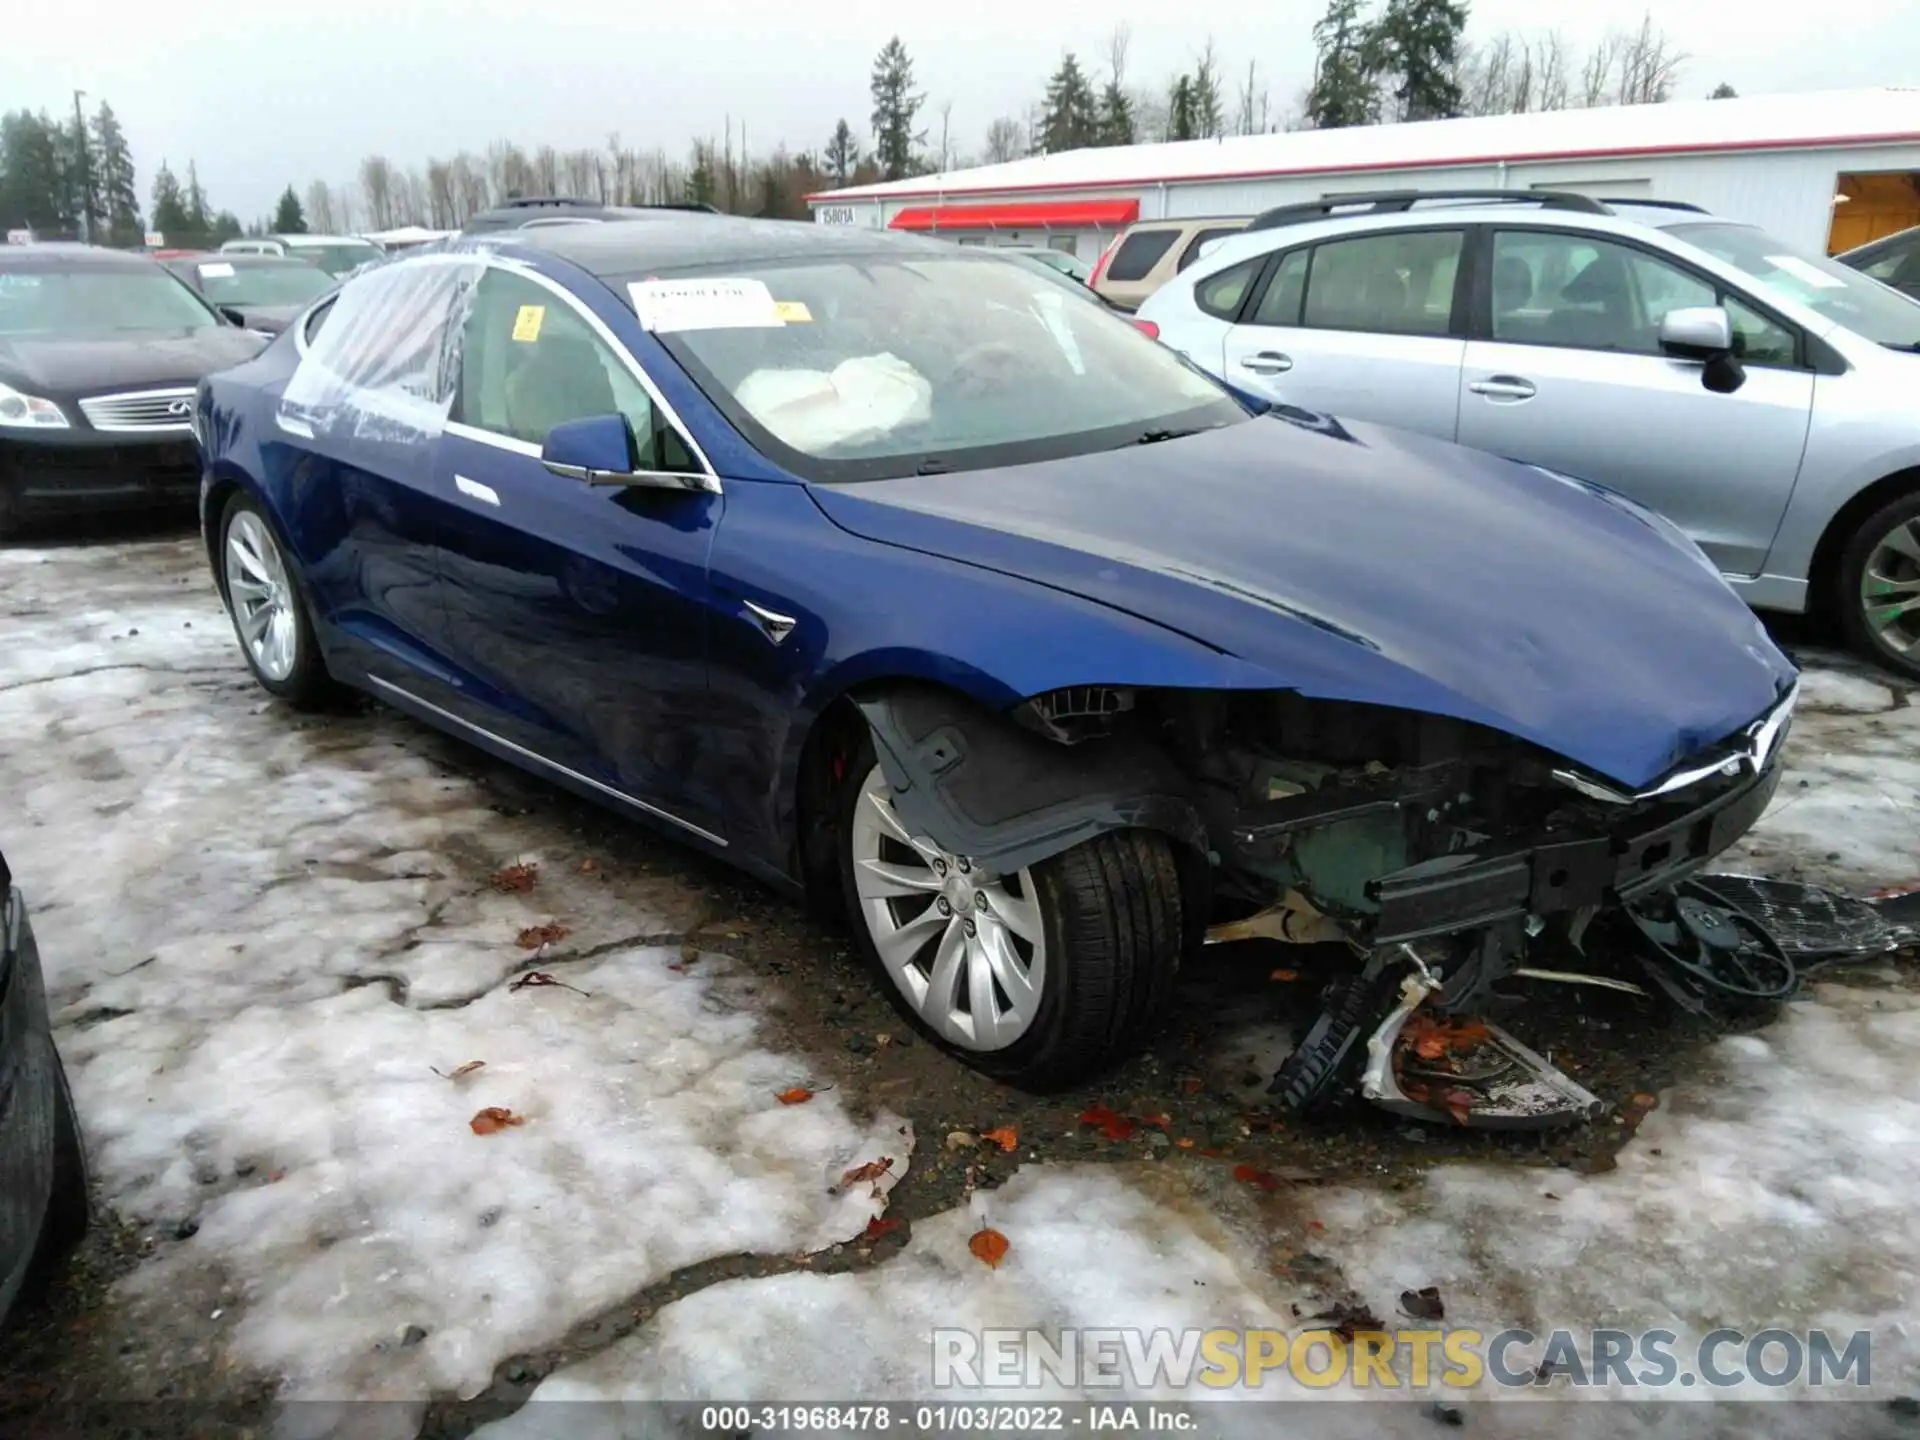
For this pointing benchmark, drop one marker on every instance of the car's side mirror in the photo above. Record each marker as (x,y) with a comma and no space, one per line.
(234,315)
(1704,333)
(600,450)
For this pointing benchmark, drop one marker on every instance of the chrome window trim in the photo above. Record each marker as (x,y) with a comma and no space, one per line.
(707,474)
(540,759)
(1763,737)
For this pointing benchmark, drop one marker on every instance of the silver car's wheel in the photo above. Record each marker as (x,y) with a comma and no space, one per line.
(1890,588)
(261,597)
(966,948)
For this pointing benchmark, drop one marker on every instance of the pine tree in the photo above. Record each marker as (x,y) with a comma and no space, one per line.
(199,221)
(224,226)
(1070,118)
(1417,44)
(30,178)
(843,153)
(895,104)
(288,217)
(1208,117)
(1116,116)
(1345,88)
(170,215)
(1181,121)
(700,187)
(119,194)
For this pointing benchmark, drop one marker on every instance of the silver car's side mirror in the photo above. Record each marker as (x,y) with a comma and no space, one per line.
(1700,332)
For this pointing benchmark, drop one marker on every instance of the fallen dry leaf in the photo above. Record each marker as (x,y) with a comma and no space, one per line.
(1458,1104)
(515,878)
(1110,1123)
(989,1246)
(1247,1175)
(1423,1304)
(1190,1083)
(1432,1038)
(587,866)
(493,1119)
(1643,1101)
(798,1095)
(459,1072)
(1184,1143)
(879,1227)
(872,1170)
(534,936)
(1284,975)
(1006,1137)
(535,978)
(1347,1320)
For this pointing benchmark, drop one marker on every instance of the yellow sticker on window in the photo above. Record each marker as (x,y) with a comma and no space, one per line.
(794,312)
(526,325)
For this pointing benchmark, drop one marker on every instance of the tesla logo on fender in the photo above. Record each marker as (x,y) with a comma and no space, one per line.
(180,408)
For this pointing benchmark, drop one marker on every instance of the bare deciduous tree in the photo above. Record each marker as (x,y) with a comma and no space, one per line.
(1003,140)
(1648,66)
(376,188)
(320,217)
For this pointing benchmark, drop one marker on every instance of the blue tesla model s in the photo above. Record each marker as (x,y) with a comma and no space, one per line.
(899,578)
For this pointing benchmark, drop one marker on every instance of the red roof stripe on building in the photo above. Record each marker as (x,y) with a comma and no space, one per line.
(1056,215)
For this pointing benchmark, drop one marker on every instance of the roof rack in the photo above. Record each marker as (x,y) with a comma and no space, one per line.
(1642,200)
(556,202)
(1387,202)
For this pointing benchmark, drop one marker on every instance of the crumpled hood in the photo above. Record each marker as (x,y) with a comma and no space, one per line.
(65,369)
(1364,563)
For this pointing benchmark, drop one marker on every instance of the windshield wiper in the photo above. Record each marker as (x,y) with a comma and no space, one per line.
(935,465)
(1904,346)
(1154,437)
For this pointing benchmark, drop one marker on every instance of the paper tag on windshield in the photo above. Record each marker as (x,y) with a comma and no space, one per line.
(719,304)
(1807,274)
(526,325)
(220,270)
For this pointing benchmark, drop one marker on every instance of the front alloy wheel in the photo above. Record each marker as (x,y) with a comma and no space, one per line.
(966,948)
(1040,976)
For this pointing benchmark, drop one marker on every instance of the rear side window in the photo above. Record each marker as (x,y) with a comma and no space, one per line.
(1398,284)
(1280,304)
(1192,252)
(1139,253)
(1220,295)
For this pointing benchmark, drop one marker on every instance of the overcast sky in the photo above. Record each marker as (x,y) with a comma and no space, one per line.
(260,94)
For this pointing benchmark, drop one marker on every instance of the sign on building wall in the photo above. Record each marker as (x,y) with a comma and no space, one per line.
(837,215)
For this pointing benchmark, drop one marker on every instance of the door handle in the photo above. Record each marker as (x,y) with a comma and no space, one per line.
(1267,362)
(1504,387)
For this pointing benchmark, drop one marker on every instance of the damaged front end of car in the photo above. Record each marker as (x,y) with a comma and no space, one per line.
(1437,852)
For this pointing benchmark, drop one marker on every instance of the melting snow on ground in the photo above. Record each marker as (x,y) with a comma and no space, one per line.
(264,936)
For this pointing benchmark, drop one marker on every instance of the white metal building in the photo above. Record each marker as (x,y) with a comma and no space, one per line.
(1827,170)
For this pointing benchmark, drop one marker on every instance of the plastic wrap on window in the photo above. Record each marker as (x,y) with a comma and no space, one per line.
(385,364)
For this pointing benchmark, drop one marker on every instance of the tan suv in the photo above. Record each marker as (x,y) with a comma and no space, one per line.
(1151,252)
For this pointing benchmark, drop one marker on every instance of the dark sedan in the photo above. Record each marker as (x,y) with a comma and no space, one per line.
(43,1171)
(99,355)
(262,292)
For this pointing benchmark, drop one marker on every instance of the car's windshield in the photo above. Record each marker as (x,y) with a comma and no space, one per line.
(97,301)
(1845,296)
(336,258)
(880,365)
(294,283)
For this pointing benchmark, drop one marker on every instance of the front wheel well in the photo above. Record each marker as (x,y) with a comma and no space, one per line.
(832,744)
(1824,574)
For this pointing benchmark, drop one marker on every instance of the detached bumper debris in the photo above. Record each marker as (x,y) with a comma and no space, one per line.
(1402,1031)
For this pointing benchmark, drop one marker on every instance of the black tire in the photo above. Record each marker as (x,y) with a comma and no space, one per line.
(1852,571)
(308,686)
(9,512)
(69,1205)
(1112,911)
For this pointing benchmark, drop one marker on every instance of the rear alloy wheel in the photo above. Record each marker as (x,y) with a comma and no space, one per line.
(1880,586)
(1039,977)
(268,609)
